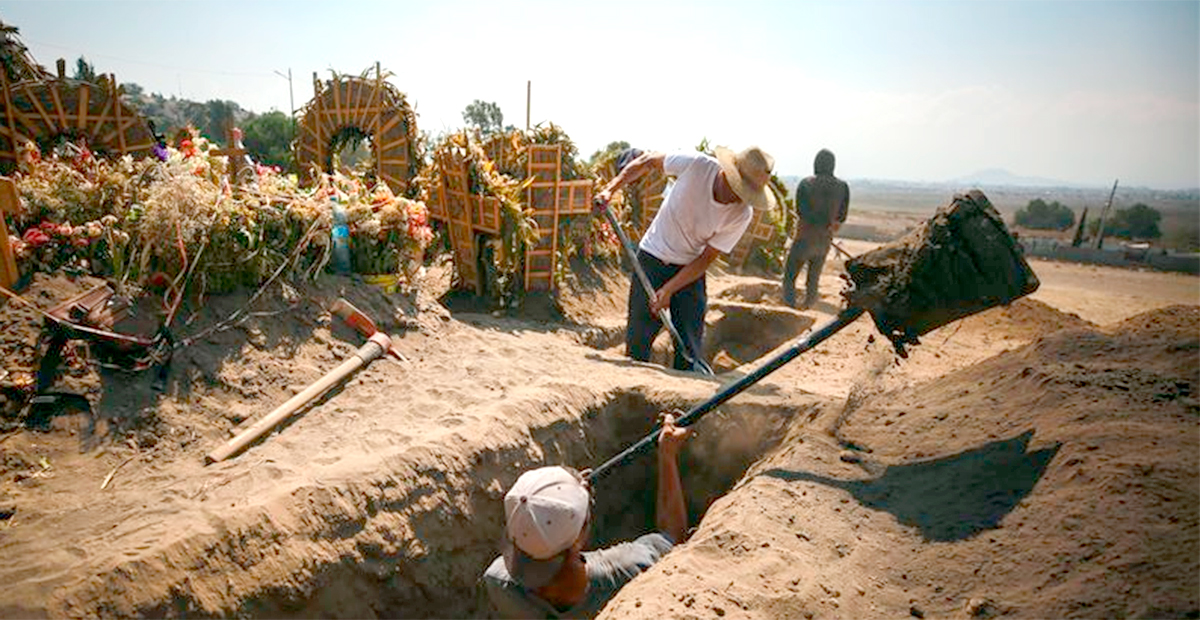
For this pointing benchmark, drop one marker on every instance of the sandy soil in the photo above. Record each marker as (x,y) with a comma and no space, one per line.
(1038,460)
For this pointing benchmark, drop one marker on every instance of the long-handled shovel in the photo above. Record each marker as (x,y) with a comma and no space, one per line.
(840,250)
(962,261)
(697,362)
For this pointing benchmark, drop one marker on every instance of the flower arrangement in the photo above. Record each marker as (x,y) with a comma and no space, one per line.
(180,220)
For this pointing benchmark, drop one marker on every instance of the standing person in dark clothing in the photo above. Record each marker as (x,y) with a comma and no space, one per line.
(823,201)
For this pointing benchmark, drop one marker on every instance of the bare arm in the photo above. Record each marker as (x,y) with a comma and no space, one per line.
(690,273)
(671,509)
(636,168)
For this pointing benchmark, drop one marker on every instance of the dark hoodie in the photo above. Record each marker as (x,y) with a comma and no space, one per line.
(822,198)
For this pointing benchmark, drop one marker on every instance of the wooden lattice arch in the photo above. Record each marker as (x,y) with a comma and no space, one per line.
(371,106)
(44,110)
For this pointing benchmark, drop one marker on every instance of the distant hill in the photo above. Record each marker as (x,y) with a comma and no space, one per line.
(1001,177)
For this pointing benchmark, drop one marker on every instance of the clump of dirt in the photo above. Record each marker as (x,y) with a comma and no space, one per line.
(1054,480)
(961,261)
(593,292)
(753,293)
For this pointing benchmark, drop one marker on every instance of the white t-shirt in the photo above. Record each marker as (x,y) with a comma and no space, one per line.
(690,218)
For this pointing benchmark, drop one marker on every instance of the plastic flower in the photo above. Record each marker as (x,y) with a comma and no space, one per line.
(35,237)
(370,227)
(18,246)
(390,216)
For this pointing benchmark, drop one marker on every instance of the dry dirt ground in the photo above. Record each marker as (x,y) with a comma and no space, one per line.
(1033,461)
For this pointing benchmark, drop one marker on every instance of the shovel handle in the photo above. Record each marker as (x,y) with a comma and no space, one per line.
(843,319)
(664,315)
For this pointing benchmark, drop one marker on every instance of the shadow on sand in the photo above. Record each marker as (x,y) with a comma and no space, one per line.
(953,497)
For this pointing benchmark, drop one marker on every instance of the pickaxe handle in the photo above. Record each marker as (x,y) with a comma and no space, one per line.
(697,362)
(370,351)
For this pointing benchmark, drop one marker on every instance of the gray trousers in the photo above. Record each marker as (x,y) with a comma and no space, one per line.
(810,251)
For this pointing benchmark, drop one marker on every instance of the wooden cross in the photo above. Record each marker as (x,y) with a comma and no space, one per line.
(236,152)
(9,203)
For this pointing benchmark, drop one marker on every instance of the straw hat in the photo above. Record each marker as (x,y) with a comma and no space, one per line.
(748,174)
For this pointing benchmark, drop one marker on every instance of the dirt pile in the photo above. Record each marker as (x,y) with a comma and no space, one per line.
(1055,480)
(961,261)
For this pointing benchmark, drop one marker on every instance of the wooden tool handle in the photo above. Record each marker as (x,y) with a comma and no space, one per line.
(373,349)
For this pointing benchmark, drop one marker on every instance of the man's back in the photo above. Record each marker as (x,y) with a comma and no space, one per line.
(822,198)
(607,570)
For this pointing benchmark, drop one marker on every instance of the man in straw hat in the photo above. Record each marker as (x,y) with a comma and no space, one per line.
(823,201)
(544,572)
(704,214)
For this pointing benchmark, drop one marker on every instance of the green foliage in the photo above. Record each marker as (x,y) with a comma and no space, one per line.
(608,153)
(1136,222)
(84,70)
(268,138)
(484,115)
(1040,214)
(170,115)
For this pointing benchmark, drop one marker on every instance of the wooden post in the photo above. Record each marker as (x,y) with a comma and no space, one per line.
(9,203)
(373,119)
(116,99)
(1099,243)
(9,117)
(528,98)
(62,69)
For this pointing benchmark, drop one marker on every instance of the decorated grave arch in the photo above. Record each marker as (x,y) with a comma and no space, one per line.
(45,111)
(360,106)
(521,196)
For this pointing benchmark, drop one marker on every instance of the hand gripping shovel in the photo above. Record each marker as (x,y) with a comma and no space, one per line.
(960,262)
(697,362)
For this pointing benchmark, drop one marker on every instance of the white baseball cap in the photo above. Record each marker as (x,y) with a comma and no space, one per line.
(545,509)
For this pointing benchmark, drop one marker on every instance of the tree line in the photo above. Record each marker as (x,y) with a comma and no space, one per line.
(1138,222)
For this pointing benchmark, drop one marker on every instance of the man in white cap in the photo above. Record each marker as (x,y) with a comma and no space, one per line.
(704,214)
(544,572)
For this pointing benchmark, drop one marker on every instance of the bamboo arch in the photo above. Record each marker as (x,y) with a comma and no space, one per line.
(371,106)
(42,110)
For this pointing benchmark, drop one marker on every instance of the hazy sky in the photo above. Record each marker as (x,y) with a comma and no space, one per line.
(925,91)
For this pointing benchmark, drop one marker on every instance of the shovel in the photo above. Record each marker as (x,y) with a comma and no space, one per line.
(960,262)
(697,362)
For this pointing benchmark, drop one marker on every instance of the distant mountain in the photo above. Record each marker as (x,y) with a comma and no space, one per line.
(998,176)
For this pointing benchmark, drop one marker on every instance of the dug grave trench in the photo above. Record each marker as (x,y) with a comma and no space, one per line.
(434,573)
(736,333)
(403,528)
